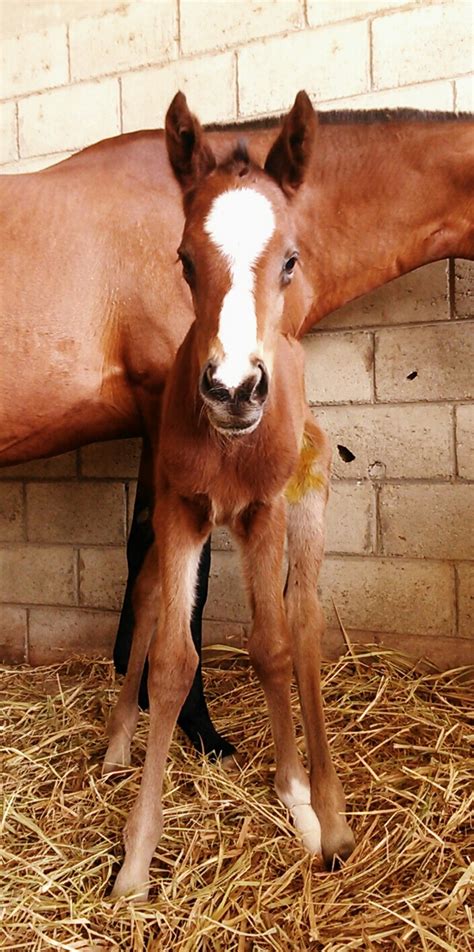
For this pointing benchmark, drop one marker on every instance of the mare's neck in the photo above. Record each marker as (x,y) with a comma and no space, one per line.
(382,200)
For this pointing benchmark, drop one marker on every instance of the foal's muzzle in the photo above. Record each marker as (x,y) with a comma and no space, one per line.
(234,409)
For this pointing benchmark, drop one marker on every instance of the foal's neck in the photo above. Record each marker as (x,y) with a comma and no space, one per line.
(231,472)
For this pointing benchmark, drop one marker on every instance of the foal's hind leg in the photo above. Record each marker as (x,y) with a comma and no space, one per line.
(262,540)
(124,717)
(307,495)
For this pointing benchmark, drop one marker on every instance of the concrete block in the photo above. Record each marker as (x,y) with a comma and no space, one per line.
(70,118)
(351,526)
(13,635)
(211,25)
(421,295)
(389,595)
(425,363)
(224,633)
(36,164)
(222,540)
(417,45)
(321,12)
(329,63)
(56,467)
(8,133)
(33,61)
(463,288)
(23,17)
(135,35)
(83,513)
(465,94)
(102,577)
(428,521)
(227,599)
(131,492)
(12,521)
(465,440)
(465,573)
(58,633)
(390,442)
(119,459)
(339,367)
(436,96)
(146,95)
(38,575)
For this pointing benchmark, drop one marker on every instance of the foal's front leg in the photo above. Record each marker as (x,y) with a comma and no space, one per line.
(124,718)
(173,662)
(262,538)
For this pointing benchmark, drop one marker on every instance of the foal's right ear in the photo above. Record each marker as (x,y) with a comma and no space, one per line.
(290,155)
(190,155)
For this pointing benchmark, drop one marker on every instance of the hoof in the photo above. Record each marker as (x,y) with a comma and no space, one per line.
(210,743)
(126,887)
(336,850)
(117,757)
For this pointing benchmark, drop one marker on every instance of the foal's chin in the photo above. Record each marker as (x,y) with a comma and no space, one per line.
(230,426)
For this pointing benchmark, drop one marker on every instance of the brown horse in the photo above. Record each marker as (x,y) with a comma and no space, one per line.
(232,434)
(92,309)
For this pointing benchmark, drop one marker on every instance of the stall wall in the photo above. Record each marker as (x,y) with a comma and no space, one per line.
(389,376)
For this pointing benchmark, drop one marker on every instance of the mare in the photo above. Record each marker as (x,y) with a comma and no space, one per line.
(92,309)
(234,428)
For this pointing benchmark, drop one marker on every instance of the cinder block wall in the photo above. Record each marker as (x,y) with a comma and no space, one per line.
(389,376)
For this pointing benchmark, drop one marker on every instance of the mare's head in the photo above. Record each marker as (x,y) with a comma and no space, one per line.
(239,253)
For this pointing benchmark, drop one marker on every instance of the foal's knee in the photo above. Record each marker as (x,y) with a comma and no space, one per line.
(271,659)
(171,671)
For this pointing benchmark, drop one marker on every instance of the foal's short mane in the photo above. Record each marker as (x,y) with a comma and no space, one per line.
(347,116)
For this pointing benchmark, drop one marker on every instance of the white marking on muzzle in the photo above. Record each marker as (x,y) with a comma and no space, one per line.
(240,224)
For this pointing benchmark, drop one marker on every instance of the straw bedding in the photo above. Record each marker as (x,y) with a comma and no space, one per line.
(229,873)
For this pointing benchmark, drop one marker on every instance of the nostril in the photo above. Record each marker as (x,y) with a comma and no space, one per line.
(209,387)
(260,389)
(207,377)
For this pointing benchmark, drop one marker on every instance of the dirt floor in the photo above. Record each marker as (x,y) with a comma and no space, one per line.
(229,873)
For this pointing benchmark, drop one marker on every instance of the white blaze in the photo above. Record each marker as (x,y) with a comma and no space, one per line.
(240,224)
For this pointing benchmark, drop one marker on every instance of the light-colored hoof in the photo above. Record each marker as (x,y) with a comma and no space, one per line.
(117,757)
(129,887)
(308,826)
(231,764)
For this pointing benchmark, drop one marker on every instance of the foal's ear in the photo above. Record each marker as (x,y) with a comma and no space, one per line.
(289,155)
(190,155)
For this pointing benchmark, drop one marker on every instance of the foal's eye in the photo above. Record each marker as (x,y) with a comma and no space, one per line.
(187,265)
(289,267)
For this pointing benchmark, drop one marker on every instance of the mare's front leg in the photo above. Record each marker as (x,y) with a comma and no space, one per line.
(262,538)
(173,662)
(307,494)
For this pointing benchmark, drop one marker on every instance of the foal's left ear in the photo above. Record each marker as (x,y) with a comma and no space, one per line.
(289,156)
(190,155)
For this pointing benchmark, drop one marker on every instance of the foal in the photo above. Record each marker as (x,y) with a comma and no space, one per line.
(235,434)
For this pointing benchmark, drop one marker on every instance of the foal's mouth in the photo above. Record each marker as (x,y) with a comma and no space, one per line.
(232,426)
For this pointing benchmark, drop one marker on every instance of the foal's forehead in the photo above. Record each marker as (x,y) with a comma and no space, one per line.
(240,223)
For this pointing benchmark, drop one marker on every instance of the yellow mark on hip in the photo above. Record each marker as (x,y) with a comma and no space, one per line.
(306,477)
